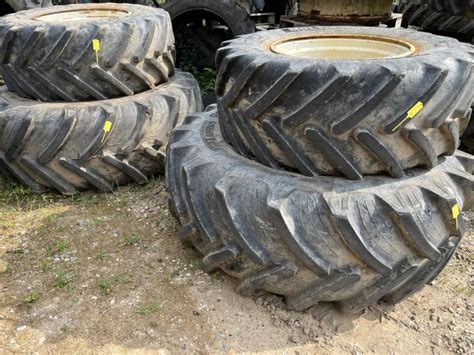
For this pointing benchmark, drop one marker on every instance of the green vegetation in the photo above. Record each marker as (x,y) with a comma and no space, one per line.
(131,239)
(105,287)
(62,279)
(32,297)
(149,308)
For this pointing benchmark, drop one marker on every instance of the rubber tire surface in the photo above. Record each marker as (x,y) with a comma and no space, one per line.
(314,239)
(234,15)
(99,144)
(344,117)
(420,13)
(51,61)
(21,5)
(467,138)
(455,7)
(206,41)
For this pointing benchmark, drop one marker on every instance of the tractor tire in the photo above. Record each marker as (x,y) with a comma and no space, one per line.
(318,239)
(419,13)
(54,60)
(467,138)
(455,7)
(234,15)
(203,42)
(21,5)
(349,117)
(99,144)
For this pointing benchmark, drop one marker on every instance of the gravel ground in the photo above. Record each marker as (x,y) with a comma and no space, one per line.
(106,273)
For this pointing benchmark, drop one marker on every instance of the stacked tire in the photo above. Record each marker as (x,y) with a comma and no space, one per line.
(442,16)
(454,18)
(329,169)
(91,95)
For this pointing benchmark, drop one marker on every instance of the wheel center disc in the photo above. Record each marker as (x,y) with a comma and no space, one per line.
(83,15)
(344,47)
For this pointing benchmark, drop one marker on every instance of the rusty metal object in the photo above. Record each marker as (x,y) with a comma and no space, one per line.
(365,12)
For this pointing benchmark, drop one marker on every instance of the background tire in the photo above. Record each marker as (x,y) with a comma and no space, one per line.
(188,17)
(21,5)
(430,17)
(54,60)
(100,144)
(344,117)
(314,239)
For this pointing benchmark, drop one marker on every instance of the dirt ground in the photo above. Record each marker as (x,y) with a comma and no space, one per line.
(100,273)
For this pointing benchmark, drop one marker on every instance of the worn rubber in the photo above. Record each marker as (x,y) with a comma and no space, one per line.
(344,117)
(204,40)
(51,61)
(313,239)
(92,145)
(467,139)
(431,17)
(455,7)
(21,5)
(230,11)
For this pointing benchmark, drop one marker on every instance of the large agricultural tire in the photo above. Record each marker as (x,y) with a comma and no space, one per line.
(455,7)
(467,139)
(21,5)
(99,144)
(427,16)
(194,19)
(52,60)
(345,117)
(235,16)
(314,239)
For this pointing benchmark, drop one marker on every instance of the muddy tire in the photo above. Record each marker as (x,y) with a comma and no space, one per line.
(54,60)
(316,239)
(436,16)
(345,117)
(97,144)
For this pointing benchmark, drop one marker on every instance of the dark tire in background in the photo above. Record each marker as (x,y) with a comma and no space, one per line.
(455,21)
(328,113)
(205,24)
(320,239)
(21,5)
(99,144)
(49,60)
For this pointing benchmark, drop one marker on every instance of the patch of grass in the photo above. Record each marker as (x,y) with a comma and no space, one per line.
(62,279)
(122,279)
(65,328)
(149,308)
(98,222)
(132,239)
(17,251)
(105,286)
(58,247)
(32,297)
(46,265)
(102,255)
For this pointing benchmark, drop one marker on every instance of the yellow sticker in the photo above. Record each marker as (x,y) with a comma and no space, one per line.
(96,45)
(410,114)
(415,109)
(456,212)
(96,48)
(106,129)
